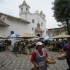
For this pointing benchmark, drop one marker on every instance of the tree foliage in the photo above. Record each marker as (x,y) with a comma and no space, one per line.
(62,12)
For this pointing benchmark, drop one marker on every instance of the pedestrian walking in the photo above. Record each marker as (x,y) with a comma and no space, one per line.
(16,48)
(67,49)
(39,57)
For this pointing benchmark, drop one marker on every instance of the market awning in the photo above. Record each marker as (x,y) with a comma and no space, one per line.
(61,36)
(3,36)
(27,35)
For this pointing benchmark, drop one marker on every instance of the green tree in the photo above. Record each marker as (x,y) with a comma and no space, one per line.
(62,12)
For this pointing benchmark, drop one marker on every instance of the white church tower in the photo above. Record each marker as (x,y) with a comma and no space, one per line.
(24,10)
(37,20)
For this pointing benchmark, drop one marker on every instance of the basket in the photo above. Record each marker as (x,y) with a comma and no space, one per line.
(51,60)
(61,55)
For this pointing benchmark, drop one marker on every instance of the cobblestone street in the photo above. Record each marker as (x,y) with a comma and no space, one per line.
(8,61)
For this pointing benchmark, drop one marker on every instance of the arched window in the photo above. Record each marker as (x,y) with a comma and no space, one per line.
(38,35)
(21,9)
(26,9)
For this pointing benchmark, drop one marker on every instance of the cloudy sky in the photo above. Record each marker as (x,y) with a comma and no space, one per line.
(11,7)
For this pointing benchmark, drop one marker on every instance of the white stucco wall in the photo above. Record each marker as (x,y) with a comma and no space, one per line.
(16,26)
(21,28)
(38,19)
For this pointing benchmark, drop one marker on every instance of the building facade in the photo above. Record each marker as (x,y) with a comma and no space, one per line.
(31,23)
(56,31)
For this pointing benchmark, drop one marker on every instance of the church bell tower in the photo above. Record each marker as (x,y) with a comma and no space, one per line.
(23,10)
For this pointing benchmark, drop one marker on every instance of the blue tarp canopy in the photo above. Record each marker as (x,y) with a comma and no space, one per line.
(13,36)
(48,37)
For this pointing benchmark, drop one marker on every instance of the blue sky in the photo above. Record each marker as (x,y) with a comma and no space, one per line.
(11,7)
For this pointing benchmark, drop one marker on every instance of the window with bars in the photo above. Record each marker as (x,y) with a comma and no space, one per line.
(12,32)
(32,29)
(41,23)
(21,8)
(26,9)
(33,20)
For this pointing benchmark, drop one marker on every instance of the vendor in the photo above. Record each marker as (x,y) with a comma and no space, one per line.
(39,57)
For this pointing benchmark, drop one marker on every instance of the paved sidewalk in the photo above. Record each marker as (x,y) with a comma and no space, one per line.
(8,61)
